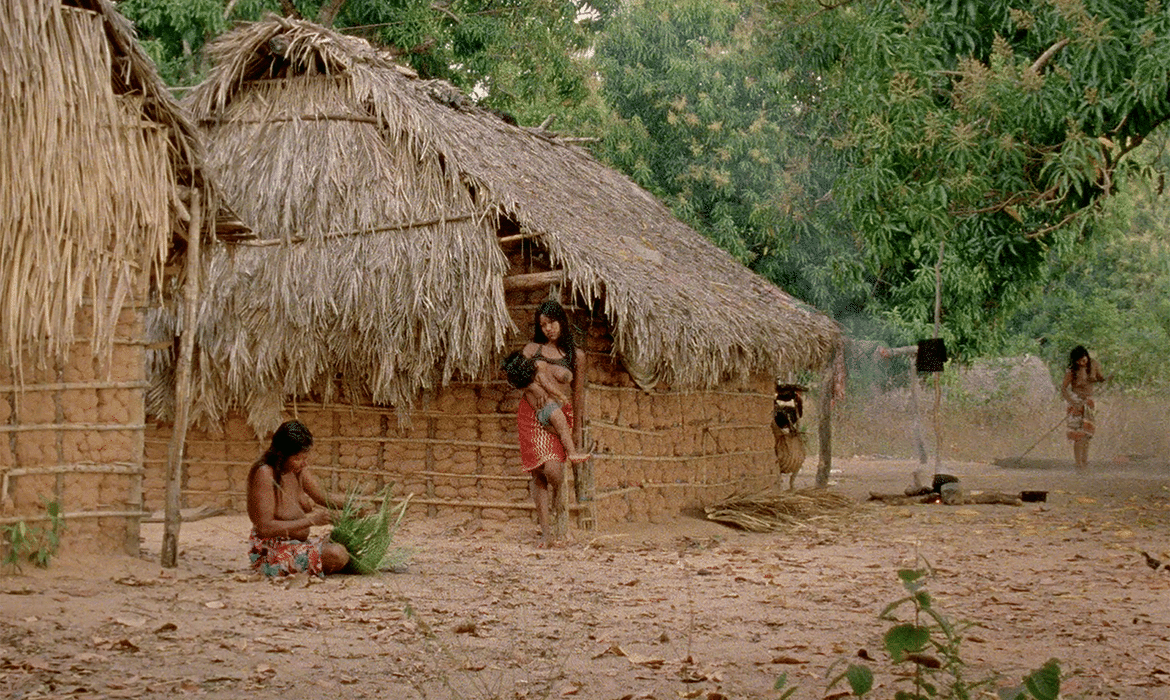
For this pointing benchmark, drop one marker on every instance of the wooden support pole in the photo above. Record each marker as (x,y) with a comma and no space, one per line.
(825,420)
(169,557)
(938,441)
(534,280)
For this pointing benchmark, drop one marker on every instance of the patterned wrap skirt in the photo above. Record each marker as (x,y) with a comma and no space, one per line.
(1081,422)
(278,556)
(537,444)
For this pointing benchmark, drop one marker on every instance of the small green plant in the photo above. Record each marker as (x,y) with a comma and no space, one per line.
(367,538)
(930,644)
(781,682)
(32,543)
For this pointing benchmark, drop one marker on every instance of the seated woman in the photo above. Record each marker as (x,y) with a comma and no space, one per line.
(281,498)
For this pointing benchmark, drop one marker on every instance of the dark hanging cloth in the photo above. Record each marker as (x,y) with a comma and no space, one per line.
(932,355)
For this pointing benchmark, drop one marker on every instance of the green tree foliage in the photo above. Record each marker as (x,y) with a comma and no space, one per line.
(173,31)
(1112,292)
(525,58)
(522,57)
(724,133)
(838,150)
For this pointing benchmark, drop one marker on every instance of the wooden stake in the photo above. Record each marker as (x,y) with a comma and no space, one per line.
(170,544)
(825,422)
(937,330)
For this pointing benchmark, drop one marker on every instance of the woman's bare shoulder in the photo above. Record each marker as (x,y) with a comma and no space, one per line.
(530,349)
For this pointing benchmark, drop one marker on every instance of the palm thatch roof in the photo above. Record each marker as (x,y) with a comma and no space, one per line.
(378,199)
(93,151)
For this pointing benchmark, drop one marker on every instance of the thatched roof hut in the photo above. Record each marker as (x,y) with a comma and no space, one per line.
(380,202)
(98,169)
(83,202)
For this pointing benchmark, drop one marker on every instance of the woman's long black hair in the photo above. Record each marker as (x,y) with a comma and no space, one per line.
(553,309)
(289,440)
(1077,353)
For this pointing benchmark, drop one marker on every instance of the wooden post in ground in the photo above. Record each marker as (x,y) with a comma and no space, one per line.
(825,419)
(584,487)
(173,517)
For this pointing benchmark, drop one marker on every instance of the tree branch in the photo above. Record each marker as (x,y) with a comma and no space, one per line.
(825,7)
(1045,57)
(290,10)
(329,12)
(1048,229)
(443,8)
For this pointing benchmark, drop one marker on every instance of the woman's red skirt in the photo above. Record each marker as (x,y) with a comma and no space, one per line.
(538,444)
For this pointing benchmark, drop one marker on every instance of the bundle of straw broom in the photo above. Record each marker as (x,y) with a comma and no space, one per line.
(367,537)
(769,512)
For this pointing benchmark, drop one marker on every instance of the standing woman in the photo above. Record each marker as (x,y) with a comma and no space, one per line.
(1077,389)
(541,452)
(281,497)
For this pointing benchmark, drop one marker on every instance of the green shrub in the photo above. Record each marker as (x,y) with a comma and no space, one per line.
(929,643)
(32,543)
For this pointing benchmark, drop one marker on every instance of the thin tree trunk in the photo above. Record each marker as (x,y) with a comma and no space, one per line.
(289,9)
(825,422)
(170,544)
(329,12)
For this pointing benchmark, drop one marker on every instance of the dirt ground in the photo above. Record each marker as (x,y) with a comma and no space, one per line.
(683,609)
(686,609)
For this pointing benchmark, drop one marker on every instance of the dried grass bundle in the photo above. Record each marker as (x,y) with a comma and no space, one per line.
(367,538)
(769,512)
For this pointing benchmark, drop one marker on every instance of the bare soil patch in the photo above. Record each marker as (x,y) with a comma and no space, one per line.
(686,609)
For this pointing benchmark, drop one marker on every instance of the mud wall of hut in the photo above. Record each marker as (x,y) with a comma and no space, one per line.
(661,452)
(455,451)
(72,432)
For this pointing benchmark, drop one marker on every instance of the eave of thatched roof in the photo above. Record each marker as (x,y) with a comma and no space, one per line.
(380,195)
(92,158)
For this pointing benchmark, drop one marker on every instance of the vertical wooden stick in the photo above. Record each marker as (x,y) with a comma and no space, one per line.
(174,485)
(825,421)
(938,443)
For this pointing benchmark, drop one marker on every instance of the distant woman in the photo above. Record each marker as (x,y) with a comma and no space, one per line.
(541,452)
(1077,389)
(281,497)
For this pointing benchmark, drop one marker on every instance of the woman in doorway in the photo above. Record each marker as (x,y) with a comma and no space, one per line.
(541,452)
(1077,389)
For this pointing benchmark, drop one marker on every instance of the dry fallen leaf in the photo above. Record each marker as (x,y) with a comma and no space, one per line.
(648,661)
(130,620)
(612,650)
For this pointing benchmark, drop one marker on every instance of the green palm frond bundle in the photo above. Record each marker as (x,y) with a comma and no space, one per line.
(367,537)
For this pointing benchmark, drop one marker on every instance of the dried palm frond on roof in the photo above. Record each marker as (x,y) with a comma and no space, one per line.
(378,199)
(92,152)
(769,512)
